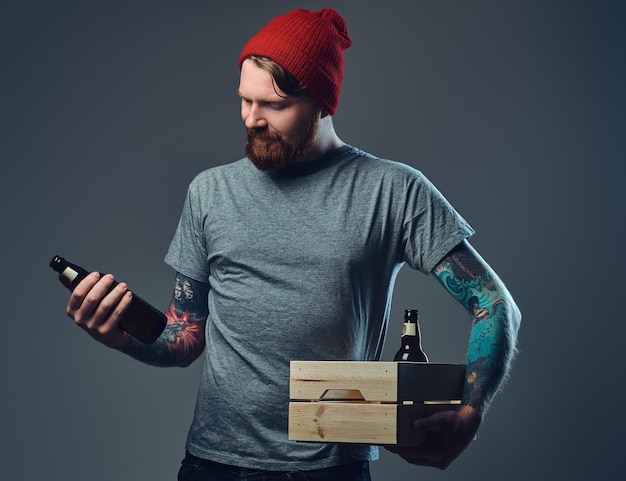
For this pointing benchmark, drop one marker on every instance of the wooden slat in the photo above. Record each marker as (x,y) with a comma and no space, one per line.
(343,422)
(376,381)
(367,423)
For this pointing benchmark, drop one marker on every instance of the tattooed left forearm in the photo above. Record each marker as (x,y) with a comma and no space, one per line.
(495,320)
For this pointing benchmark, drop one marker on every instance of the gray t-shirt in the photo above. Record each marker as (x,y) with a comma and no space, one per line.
(301,265)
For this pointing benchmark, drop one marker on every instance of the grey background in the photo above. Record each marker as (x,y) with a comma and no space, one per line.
(515,110)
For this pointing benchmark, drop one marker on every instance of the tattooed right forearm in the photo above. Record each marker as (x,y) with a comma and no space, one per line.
(182,340)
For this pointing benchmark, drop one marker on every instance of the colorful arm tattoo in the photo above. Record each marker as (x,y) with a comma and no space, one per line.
(495,321)
(182,340)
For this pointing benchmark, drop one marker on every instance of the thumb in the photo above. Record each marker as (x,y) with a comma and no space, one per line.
(422,429)
(425,424)
(434,423)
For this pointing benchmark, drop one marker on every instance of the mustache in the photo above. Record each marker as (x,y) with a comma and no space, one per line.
(262,134)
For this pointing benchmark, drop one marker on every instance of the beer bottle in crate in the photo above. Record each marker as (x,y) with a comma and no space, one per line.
(411,348)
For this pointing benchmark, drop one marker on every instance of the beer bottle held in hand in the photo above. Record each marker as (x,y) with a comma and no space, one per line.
(411,348)
(141,320)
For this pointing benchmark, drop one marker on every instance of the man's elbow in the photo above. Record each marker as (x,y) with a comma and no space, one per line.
(189,358)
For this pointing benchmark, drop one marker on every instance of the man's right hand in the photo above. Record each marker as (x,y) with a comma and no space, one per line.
(97,312)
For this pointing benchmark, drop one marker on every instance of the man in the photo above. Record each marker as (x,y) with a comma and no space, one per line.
(291,253)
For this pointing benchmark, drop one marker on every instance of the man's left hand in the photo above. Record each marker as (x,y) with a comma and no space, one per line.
(446,435)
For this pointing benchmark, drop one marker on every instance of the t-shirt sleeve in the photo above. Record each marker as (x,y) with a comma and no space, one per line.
(432,227)
(187,252)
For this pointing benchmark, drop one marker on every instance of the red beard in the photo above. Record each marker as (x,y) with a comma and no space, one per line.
(270,151)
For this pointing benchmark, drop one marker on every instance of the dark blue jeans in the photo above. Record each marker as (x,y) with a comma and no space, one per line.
(196,469)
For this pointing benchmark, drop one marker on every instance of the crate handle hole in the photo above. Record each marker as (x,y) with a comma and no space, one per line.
(342,395)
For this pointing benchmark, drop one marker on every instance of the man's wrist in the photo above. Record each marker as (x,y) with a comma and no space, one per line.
(122,344)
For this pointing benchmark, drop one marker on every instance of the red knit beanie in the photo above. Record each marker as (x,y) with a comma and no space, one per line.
(309,45)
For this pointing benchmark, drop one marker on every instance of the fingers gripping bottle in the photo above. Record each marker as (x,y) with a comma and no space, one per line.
(141,320)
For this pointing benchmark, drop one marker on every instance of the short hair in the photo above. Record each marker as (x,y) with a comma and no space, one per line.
(281,78)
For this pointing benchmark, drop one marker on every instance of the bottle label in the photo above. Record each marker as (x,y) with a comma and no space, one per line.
(69,273)
(409,329)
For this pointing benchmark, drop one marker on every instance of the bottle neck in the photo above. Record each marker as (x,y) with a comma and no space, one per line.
(69,273)
(409,329)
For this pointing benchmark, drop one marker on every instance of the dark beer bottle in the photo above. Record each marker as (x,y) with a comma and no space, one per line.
(141,320)
(411,348)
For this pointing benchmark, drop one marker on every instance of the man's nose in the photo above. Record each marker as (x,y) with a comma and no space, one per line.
(254,118)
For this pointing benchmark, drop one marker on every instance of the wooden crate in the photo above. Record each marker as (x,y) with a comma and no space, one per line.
(368,402)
